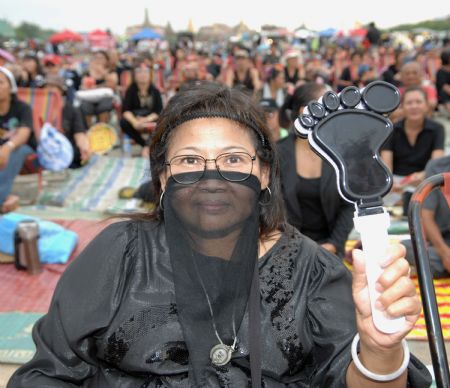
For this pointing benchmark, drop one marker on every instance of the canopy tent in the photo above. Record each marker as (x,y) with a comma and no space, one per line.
(100,39)
(304,33)
(328,32)
(65,36)
(145,33)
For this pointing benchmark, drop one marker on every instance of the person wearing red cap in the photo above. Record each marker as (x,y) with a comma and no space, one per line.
(52,65)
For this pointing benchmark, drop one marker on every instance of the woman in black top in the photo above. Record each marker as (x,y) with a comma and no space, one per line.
(125,315)
(141,106)
(312,201)
(415,140)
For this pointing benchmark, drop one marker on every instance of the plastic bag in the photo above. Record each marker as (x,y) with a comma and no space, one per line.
(55,244)
(55,152)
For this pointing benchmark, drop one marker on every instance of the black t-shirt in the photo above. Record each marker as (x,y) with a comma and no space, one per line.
(442,78)
(408,158)
(314,221)
(72,121)
(19,115)
(142,106)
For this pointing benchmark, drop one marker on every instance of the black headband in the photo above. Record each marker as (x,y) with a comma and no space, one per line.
(199,115)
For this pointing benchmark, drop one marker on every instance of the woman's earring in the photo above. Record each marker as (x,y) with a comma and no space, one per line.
(161,197)
(267,190)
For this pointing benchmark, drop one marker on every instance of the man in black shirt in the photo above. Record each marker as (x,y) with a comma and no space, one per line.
(16,138)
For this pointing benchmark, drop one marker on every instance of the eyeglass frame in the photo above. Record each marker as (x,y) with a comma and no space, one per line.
(168,164)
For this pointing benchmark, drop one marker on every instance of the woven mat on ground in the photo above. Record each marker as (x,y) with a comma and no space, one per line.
(25,298)
(95,187)
(20,291)
(16,344)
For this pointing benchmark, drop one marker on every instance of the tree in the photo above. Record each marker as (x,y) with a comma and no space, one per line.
(32,31)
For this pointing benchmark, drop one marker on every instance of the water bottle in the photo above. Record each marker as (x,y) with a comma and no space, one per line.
(126,146)
(26,254)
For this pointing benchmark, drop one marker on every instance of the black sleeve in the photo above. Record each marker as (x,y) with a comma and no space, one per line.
(388,145)
(158,107)
(25,116)
(84,303)
(439,139)
(127,103)
(345,75)
(441,80)
(78,122)
(342,226)
(331,318)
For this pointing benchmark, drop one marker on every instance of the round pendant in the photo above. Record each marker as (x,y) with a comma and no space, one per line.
(221,354)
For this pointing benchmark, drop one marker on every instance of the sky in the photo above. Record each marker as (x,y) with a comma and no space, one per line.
(86,15)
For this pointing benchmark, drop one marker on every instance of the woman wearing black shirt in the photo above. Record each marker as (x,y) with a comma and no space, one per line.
(310,193)
(141,106)
(415,140)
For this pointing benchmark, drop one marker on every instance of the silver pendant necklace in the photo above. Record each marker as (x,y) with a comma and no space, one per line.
(220,354)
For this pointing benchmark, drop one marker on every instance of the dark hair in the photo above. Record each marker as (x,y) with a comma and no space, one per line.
(274,71)
(414,89)
(102,52)
(210,99)
(302,95)
(445,57)
(355,53)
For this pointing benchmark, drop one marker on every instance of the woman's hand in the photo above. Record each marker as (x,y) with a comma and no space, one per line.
(398,298)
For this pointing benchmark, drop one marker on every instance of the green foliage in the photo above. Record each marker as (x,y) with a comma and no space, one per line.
(436,25)
(32,31)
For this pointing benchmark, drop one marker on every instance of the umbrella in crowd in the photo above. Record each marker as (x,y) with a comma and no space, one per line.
(65,36)
(146,33)
(7,56)
(328,32)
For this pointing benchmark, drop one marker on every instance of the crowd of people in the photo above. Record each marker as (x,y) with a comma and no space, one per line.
(188,109)
(133,87)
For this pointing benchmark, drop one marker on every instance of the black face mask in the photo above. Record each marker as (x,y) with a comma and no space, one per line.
(212,229)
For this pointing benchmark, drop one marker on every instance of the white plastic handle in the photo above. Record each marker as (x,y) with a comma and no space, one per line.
(374,238)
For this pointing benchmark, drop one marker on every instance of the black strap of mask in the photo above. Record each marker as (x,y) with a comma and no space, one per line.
(255,330)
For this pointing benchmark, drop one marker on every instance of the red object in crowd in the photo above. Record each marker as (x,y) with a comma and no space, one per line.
(100,39)
(65,36)
(52,59)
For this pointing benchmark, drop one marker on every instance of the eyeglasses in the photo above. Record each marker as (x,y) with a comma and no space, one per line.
(233,167)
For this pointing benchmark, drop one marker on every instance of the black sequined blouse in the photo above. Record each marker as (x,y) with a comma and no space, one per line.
(113,319)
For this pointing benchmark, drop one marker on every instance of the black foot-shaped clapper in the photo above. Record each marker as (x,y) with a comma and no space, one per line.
(348,130)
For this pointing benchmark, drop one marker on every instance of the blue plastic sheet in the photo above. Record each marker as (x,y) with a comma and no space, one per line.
(55,243)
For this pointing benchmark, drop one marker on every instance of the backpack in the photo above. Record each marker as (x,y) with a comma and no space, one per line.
(55,152)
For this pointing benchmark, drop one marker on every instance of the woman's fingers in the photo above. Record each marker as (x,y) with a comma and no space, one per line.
(394,252)
(400,299)
(392,273)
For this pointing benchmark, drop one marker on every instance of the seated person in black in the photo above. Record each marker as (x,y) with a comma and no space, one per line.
(16,138)
(310,193)
(416,139)
(72,124)
(141,106)
(436,224)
